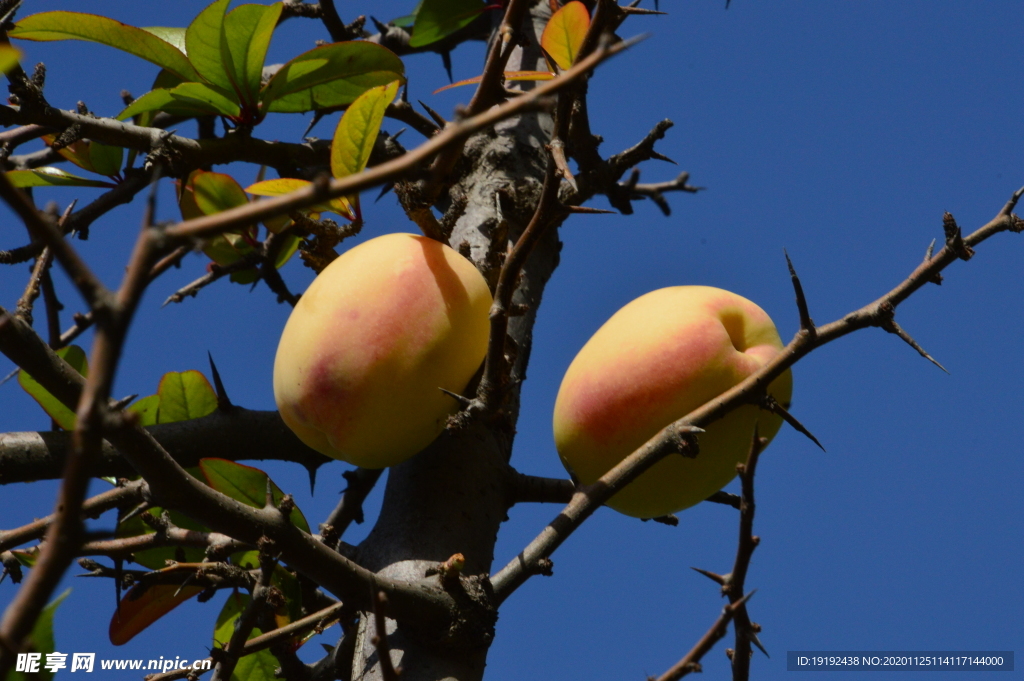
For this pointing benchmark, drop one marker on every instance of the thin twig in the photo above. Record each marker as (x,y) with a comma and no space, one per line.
(131,493)
(691,662)
(746,631)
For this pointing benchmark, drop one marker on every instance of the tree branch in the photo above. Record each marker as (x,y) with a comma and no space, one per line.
(536,99)
(750,391)
(130,494)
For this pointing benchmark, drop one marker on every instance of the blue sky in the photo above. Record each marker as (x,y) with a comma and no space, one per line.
(839,131)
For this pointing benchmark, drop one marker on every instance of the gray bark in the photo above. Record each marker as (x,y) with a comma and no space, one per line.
(451,498)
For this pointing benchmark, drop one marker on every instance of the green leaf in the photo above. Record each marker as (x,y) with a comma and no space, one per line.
(278,187)
(233,608)
(203,42)
(246,37)
(331,75)
(41,641)
(106,160)
(564,34)
(65,418)
(147,409)
(49,26)
(77,152)
(246,484)
(9,57)
(216,192)
(52,177)
(186,99)
(357,130)
(286,185)
(175,35)
(184,396)
(259,666)
(245,277)
(437,19)
(286,252)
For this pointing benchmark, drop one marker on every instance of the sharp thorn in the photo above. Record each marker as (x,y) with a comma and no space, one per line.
(629,9)
(317,116)
(769,403)
(662,157)
(461,399)
(15,372)
(725,498)
(587,210)
(381,28)
(223,402)
(757,642)
(123,402)
(717,579)
(743,601)
(438,118)
(446,59)
(806,323)
(312,478)
(384,190)
(928,253)
(892,327)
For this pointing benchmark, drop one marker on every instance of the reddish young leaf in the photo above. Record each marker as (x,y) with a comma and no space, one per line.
(564,34)
(509,75)
(140,608)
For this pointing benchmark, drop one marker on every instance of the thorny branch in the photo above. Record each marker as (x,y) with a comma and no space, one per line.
(750,391)
(130,494)
(114,312)
(691,661)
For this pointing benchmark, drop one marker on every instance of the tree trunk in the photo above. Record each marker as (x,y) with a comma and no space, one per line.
(452,497)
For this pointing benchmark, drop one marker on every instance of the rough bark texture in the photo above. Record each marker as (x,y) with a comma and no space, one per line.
(451,497)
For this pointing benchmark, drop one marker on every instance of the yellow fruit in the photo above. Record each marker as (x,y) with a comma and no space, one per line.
(369,344)
(656,360)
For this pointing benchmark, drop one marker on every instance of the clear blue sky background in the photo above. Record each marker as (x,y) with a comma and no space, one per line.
(840,131)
